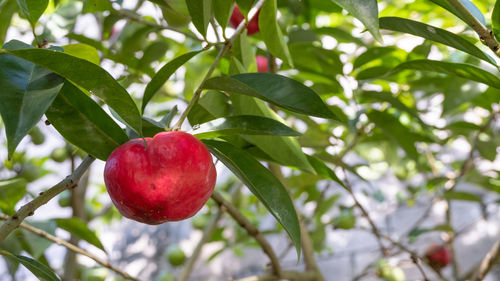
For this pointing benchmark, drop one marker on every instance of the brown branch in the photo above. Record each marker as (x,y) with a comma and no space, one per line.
(222,52)
(71,247)
(286,275)
(485,35)
(251,230)
(492,257)
(29,209)
(375,229)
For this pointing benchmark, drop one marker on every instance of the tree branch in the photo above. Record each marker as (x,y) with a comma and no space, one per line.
(71,247)
(492,257)
(485,35)
(251,230)
(29,209)
(221,53)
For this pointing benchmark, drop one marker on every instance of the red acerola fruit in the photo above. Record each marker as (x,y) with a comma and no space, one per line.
(237,17)
(439,256)
(170,179)
(262,65)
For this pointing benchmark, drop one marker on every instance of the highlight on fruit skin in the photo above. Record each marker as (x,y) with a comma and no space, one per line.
(168,179)
(237,17)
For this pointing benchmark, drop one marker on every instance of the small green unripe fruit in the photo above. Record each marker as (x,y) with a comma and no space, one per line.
(346,220)
(167,277)
(199,222)
(30,172)
(64,199)
(37,137)
(59,154)
(176,256)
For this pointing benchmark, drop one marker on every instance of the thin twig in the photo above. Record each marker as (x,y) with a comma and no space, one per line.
(485,35)
(307,246)
(29,209)
(71,247)
(221,53)
(251,230)
(375,229)
(207,234)
(492,257)
(415,260)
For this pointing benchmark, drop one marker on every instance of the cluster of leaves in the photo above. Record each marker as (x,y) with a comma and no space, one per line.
(348,94)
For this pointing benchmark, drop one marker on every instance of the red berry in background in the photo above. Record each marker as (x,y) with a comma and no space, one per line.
(262,65)
(169,180)
(439,256)
(237,17)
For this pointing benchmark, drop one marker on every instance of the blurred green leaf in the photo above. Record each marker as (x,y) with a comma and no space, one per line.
(458,69)
(80,229)
(470,7)
(364,10)
(461,195)
(495,20)
(83,51)
(162,76)
(37,268)
(222,11)
(11,191)
(435,34)
(271,32)
(32,9)
(200,14)
(7,10)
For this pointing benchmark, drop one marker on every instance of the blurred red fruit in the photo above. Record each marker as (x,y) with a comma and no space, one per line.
(262,65)
(439,256)
(237,17)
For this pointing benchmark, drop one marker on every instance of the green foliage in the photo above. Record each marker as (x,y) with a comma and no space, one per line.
(337,105)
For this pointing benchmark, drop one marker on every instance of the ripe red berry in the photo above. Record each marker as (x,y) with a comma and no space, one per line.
(169,180)
(262,65)
(237,17)
(439,256)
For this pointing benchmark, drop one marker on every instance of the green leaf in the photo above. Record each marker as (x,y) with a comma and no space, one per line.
(468,4)
(37,244)
(364,10)
(37,268)
(11,191)
(434,34)
(460,195)
(32,9)
(372,54)
(162,76)
(91,6)
(271,32)
(222,11)
(394,129)
(370,96)
(458,69)
(276,89)
(7,10)
(242,124)
(27,91)
(79,228)
(83,122)
(495,20)
(200,14)
(88,76)
(323,170)
(284,150)
(263,184)
(83,51)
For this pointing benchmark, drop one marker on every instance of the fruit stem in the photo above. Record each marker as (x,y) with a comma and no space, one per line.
(222,52)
